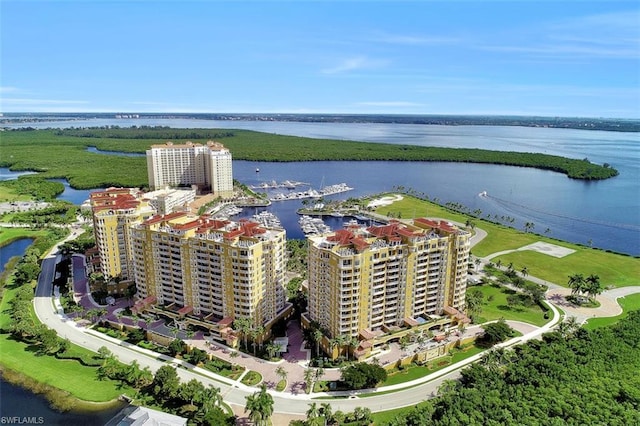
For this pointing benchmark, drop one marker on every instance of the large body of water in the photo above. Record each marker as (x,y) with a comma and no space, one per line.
(605,213)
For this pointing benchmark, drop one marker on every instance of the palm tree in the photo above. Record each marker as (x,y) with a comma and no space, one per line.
(335,342)
(308,378)
(576,283)
(260,406)
(569,326)
(352,344)
(312,412)
(281,372)
(499,263)
(317,337)
(271,349)
(593,287)
(243,325)
(326,412)
(259,331)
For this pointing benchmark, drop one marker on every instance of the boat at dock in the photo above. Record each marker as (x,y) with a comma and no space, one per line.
(313,225)
(312,193)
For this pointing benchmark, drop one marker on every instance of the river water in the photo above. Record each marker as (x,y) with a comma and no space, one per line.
(605,214)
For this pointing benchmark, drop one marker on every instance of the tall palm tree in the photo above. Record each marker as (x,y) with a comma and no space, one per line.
(260,406)
(576,283)
(243,325)
(308,378)
(335,342)
(593,287)
(282,372)
(317,337)
(326,412)
(312,412)
(352,344)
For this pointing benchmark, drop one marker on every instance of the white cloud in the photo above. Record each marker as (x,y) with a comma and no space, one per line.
(414,40)
(8,89)
(392,104)
(352,64)
(28,101)
(613,35)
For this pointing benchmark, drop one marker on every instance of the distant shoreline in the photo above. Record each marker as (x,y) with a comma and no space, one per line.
(578,123)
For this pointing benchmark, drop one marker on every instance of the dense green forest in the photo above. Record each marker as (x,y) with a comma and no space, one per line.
(577,378)
(62,153)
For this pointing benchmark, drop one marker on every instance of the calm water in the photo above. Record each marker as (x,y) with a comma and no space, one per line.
(605,213)
(18,402)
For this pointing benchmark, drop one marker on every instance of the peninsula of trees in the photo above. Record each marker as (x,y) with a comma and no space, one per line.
(63,153)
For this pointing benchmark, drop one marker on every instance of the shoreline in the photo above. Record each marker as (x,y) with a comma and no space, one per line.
(58,399)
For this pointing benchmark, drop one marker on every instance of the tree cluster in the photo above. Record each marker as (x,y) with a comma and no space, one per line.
(202,405)
(35,187)
(59,212)
(579,378)
(362,375)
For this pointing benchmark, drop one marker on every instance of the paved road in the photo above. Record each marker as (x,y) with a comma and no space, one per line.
(234,393)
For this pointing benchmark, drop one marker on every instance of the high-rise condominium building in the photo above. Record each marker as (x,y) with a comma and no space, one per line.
(206,166)
(375,278)
(211,268)
(114,211)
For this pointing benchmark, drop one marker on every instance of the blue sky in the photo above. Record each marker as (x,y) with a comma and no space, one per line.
(550,58)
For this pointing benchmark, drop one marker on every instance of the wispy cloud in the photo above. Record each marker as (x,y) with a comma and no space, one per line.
(390,104)
(353,64)
(28,101)
(8,89)
(417,40)
(611,36)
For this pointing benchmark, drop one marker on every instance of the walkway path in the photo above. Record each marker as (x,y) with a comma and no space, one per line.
(293,400)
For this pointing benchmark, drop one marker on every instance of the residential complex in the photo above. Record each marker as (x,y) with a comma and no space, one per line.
(114,211)
(364,281)
(208,167)
(212,269)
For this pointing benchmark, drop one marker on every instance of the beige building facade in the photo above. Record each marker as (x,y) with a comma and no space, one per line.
(204,166)
(368,280)
(212,269)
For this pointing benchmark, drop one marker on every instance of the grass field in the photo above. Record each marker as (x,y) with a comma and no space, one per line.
(613,269)
(628,303)
(384,417)
(8,235)
(7,195)
(499,308)
(415,372)
(68,375)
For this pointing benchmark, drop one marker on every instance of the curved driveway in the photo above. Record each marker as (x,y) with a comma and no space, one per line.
(235,392)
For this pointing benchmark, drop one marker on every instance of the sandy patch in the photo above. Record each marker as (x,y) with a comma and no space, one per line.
(548,249)
(384,201)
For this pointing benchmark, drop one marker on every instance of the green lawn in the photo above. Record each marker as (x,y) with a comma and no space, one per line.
(384,417)
(8,195)
(68,375)
(628,303)
(613,269)
(413,372)
(499,308)
(10,234)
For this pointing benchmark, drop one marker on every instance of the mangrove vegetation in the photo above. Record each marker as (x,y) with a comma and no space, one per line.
(63,153)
